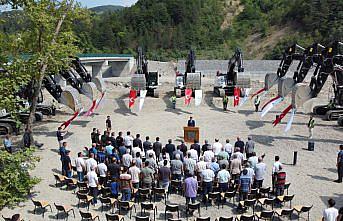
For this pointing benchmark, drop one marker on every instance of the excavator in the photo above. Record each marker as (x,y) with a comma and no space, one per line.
(142,79)
(191,79)
(290,54)
(329,63)
(79,81)
(225,83)
(285,84)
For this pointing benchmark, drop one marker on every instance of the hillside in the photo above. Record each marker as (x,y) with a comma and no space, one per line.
(167,29)
(106,8)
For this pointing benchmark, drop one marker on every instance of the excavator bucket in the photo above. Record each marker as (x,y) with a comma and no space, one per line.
(89,90)
(285,86)
(71,98)
(270,80)
(99,83)
(301,93)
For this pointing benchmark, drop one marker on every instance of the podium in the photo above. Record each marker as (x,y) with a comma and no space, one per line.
(190,134)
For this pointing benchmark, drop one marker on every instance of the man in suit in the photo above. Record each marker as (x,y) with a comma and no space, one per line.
(191,122)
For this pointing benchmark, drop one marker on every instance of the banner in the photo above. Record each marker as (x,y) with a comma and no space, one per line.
(290,121)
(282,115)
(100,100)
(132,97)
(236,94)
(68,122)
(188,96)
(91,109)
(273,99)
(246,96)
(270,106)
(142,95)
(258,92)
(198,97)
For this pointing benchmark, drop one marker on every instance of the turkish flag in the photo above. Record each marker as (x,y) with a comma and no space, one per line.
(132,97)
(236,94)
(282,115)
(188,96)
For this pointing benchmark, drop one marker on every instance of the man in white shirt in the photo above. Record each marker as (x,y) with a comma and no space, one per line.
(223,177)
(80,166)
(228,148)
(93,183)
(208,154)
(239,155)
(102,170)
(207,177)
(150,151)
(134,171)
(331,213)
(193,154)
(253,160)
(260,171)
(128,140)
(91,162)
(201,165)
(251,172)
(127,159)
(217,147)
(136,150)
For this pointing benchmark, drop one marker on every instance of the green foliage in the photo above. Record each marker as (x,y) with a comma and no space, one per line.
(15,179)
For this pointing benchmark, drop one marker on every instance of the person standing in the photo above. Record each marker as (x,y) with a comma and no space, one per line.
(108,123)
(137,142)
(260,171)
(310,126)
(147,144)
(190,188)
(331,213)
(127,159)
(80,167)
(93,183)
(239,143)
(257,102)
(128,140)
(244,186)
(225,102)
(217,147)
(191,122)
(189,164)
(170,148)
(67,164)
(147,176)
(134,171)
(275,170)
(164,175)
(340,164)
(157,147)
(27,138)
(228,148)
(62,153)
(8,143)
(173,100)
(223,177)
(176,168)
(125,185)
(207,177)
(235,168)
(91,162)
(196,146)
(60,136)
(102,171)
(249,147)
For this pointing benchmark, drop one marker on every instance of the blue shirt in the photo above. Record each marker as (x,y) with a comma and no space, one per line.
(340,155)
(7,143)
(214,167)
(109,149)
(245,182)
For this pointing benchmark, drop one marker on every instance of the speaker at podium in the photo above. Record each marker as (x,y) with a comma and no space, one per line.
(190,134)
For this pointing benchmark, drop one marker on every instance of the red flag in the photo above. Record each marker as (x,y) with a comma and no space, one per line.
(188,96)
(91,109)
(282,115)
(236,94)
(275,98)
(132,97)
(68,122)
(258,92)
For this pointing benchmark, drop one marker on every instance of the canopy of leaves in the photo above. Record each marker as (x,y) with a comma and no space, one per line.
(15,179)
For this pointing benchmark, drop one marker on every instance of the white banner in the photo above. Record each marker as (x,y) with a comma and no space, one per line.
(198,97)
(270,106)
(142,95)
(246,96)
(289,124)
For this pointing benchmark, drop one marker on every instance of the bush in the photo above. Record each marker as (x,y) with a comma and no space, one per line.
(15,180)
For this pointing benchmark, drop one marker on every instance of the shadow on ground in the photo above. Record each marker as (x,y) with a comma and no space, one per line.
(123,108)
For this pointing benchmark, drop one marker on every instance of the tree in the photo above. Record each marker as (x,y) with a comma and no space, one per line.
(49,40)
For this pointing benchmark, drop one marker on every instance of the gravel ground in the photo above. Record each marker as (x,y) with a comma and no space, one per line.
(311,179)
